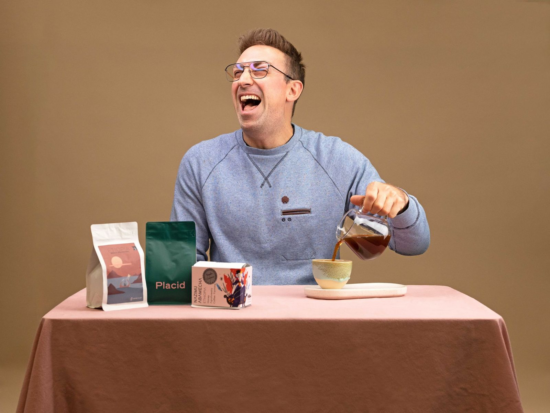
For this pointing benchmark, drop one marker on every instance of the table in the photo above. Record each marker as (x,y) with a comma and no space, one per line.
(433,350)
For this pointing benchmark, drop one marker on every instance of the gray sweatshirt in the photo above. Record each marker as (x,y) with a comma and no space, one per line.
(278,208)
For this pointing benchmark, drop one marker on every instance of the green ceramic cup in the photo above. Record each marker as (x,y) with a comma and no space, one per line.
(331,274)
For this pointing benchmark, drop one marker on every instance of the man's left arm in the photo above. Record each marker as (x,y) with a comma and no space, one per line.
(359,182)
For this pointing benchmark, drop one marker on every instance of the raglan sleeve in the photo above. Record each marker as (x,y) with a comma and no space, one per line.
(410,230)
(188,203)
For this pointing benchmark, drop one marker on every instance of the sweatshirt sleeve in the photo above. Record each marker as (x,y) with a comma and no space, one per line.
(188,205)
(410,230)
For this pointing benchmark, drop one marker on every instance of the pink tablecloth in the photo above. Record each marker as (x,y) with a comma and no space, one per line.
(434,350)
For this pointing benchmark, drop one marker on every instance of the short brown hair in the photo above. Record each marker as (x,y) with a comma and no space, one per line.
(270,37)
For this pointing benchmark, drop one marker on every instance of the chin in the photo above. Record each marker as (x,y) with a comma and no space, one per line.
(249,125)
(251,129)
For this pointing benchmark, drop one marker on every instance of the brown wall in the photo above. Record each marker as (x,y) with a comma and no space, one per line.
(99,100)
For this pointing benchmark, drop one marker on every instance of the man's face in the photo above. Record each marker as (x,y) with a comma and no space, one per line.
(272,91)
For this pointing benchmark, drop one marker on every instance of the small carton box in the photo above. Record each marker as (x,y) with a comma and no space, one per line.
(221,284)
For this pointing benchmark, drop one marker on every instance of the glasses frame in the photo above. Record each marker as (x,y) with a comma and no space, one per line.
(245,65)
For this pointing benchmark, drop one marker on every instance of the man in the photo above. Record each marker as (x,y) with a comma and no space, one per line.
(271,193)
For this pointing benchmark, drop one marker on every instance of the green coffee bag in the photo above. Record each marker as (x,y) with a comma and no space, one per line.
(170,252)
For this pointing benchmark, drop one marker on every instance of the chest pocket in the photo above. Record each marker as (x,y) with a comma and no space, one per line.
(298,225)
(298,211)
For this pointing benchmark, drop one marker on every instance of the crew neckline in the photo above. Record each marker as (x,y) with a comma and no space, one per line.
(269,152)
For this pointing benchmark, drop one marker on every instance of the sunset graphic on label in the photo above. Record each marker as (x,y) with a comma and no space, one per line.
(124,279)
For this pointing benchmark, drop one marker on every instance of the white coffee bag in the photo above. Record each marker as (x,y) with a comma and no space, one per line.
(115,279)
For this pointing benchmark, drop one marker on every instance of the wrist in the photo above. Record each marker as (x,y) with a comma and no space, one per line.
(406,203)
(404,208)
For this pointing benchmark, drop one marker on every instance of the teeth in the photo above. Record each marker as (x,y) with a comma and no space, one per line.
(246,97)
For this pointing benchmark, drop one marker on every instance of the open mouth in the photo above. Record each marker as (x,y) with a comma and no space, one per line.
(249,102)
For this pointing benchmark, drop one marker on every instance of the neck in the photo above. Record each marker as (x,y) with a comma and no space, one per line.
(268,139)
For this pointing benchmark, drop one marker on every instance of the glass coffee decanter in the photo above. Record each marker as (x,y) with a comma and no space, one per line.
(366,234)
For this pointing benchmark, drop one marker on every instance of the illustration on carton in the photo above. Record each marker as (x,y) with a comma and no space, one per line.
(223,285)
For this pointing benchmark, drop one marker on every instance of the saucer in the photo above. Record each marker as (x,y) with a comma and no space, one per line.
(366,290)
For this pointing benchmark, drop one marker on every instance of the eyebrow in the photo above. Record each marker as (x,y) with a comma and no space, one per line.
(254,61)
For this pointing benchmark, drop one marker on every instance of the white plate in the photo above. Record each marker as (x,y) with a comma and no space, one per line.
(367,290)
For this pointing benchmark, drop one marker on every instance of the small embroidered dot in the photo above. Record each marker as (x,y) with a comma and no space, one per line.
(285,199)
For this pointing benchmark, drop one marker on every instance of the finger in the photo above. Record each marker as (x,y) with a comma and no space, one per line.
(370,196)
(391,199)
(378,204)
(357,200)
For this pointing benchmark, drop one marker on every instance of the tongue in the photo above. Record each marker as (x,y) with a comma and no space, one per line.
(248,106)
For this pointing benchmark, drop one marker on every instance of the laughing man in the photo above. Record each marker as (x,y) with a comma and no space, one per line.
(272,193)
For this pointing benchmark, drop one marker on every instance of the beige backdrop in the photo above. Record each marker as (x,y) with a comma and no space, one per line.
(450,100)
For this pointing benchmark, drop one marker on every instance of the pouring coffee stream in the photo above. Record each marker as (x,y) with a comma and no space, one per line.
(367,235)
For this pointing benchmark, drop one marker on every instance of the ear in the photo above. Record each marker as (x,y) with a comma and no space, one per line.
(294,90)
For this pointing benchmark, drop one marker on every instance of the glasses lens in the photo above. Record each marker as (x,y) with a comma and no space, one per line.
(259,69)
(233,72)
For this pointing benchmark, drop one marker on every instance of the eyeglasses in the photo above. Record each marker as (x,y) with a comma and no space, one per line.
(258,70)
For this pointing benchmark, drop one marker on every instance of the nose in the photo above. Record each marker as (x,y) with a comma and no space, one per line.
(246,78)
